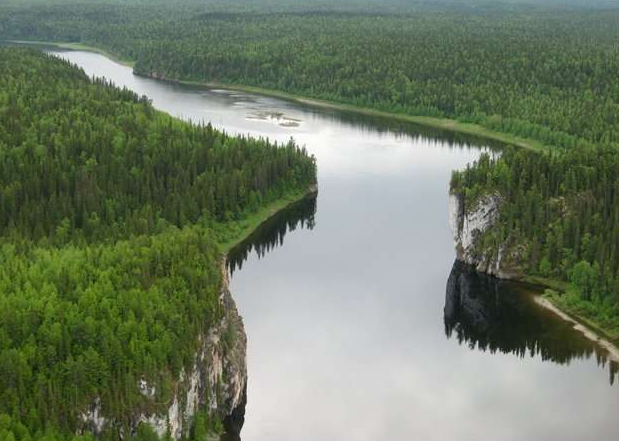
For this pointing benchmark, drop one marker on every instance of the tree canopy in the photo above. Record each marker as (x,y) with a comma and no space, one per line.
(110,217)
(563,208)
(544,71)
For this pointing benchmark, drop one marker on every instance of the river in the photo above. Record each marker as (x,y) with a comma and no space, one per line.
(360,326)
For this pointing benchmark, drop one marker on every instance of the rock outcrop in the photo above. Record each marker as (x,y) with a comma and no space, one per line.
(216,382)
(470,226)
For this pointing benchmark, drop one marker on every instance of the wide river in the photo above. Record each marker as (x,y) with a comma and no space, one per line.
(359,325)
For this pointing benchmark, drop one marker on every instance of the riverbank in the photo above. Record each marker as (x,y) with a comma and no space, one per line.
(468,226)
(549,299)
(587,313)
(587,331)
(447,124)
(233,233)
(606,337)
(76,47)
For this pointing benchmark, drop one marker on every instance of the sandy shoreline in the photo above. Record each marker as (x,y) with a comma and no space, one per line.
(613,351)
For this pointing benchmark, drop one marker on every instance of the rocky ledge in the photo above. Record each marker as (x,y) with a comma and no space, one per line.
(216,382)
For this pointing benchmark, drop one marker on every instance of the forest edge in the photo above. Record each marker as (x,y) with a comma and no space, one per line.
(589,329)
(447,124)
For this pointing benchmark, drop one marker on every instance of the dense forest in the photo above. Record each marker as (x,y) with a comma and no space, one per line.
(545,72)
(106,204)
(102,163)
(110,218)
(562,208)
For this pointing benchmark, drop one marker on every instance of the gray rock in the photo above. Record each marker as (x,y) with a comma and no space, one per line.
(469,225)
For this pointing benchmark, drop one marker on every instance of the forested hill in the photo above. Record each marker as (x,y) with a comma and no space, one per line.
(543,70)
(109,263)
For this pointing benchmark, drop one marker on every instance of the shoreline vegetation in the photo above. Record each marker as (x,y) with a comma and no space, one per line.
(76,47)
(585,327)
(590,329)
(246,227)
(447,124)
(242,229)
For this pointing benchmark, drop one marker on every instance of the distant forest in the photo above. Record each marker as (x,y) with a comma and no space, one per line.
(546,71)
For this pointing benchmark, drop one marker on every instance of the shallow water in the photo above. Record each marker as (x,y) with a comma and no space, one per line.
(354,331)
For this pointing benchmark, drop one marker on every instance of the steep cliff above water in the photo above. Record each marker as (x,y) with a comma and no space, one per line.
(472,228)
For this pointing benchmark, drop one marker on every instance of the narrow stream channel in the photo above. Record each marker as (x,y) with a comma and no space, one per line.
(360,327)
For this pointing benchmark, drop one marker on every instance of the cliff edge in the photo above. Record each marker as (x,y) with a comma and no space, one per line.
(216,383)
(476,243)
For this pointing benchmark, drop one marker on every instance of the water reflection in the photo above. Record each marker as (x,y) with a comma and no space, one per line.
(493,315)
(271,233)
(406,130)
(345,320)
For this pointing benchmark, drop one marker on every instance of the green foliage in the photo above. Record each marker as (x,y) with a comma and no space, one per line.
(540,72)
(109,264)
(544,267)
(563,206)
(103,162)
(13,430)
(88,322)
(584,278)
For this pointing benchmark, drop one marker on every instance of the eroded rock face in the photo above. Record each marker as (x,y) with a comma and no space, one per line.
(469,225)
(216,382)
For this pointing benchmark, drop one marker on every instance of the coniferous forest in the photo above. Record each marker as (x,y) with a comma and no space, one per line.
(561,209)
(110,217)
(545,71)
(113,214)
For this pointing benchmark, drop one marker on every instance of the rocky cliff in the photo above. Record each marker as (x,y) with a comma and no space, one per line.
(216,382)
(475,244)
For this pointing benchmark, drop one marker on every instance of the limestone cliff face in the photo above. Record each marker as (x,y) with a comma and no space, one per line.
(216,382)
(470,225)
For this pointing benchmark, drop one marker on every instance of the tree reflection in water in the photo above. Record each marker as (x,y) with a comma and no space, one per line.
(493,315)
(272,232)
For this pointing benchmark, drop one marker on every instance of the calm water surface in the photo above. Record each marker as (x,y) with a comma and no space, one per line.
(360,327)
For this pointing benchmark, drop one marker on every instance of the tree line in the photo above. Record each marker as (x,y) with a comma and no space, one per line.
(545,72)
